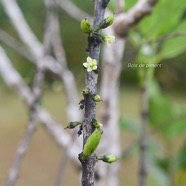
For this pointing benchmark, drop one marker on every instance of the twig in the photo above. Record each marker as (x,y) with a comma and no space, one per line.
(143,140)
(14,170)
(55,129)
(65,75)
(167,36)
(72,10)
(64,161)
(61,171)
(15,45)
(120,6)
(37,50)
(88,166)
(33,116)
(24,31)
(125,21)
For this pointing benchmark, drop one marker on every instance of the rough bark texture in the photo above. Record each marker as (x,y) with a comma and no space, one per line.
(88,166)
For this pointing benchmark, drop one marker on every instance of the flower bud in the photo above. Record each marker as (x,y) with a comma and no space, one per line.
(106,22)
(86,26)
(85,92)
(92,143)
(97,98)
(110,158)
(72,125)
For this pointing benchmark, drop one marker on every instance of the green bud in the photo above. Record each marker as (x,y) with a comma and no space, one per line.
(106,22)
(92,143)
(97,124)
(86,26)
(72,125)
(110,158)
(85,92)
(97,98)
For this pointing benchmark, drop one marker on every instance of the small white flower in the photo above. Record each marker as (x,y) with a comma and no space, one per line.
(108,39)
(90,64)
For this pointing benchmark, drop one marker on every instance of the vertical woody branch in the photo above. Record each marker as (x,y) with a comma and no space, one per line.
(143,140)
(88,166)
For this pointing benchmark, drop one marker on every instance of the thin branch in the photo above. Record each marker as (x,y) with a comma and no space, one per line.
(15,169)
(66,75)
(124,21)
(59,69)
(143,140)
(64,162)
(27,36)
(167,37)
(24,31)
(72,10)
(61,171)
(55,129)
(120,4)
(15,45)
(33,116)
(88,166)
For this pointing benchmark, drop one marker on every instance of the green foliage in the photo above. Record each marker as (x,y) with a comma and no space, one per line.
(177,128)
(180,159)
(159,30)
(160,110)
(175,46)
(166,16)
(129,4)
(163,116)
(158,176)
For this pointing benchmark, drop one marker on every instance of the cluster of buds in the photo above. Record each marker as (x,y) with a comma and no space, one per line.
(93,140)
(86,28)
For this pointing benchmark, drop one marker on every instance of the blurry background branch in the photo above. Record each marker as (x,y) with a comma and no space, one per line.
(120,4)
(125,21)
(72,10)
(14,80)
(15,45)
(33,116)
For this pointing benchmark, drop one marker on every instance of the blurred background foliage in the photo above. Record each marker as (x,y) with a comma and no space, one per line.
(157,39)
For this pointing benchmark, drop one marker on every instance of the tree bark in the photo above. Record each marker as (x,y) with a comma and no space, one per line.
(88,166)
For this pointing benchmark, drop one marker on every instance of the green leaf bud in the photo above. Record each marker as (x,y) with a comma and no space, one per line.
(85,92)
(110,158)
(86,26)
(96,123)
(106,22)
(92,143)
(72,125)
(97,98)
